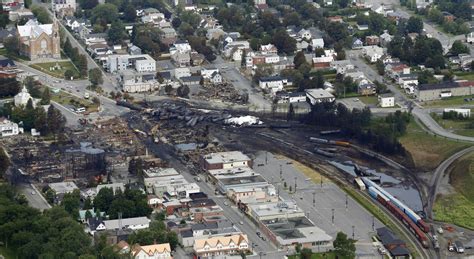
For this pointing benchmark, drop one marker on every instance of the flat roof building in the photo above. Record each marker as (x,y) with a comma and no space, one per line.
(63,187)
(225,160)
(275,210)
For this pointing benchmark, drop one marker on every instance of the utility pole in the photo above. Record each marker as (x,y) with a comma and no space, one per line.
(314,199)
(373,223)
(321,182)
(295,183)
(266,157)
(346,201)
(353,227)
(281,172)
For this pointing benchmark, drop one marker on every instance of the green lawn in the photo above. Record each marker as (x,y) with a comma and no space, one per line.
(7,253)
(3,52)
(458,208)
(451,101)
(68,99)
(428,151)
(59,73)
(460,127)
(369,100)
(328,255)
(465,75)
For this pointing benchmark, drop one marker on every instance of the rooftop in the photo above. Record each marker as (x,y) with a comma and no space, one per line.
(299,229)
(232,172)
(116,223)
(63,187)
(226,157)
(253,179)
(276,210)
(318,93)
(159,172)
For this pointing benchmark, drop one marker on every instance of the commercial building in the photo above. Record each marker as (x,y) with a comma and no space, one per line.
(155,251)
(286,233)
(222,245)
(64,7)
(140,63)
(225,160)
(199,231)
(275,210)
(429,92)
(133,82)
(317,95)
(227,183)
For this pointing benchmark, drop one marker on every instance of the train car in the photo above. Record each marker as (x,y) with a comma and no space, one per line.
(319,140)
(324,153)
(423,226)
(328,132)
(342,143)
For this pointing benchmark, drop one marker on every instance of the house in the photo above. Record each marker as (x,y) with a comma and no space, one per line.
(221,245)
(274,83)
(297,97)
(196,58)
(190,80)
(214,34)
(341,66)
(386,100)
(366,89)
(316,95)
(395,246)
(317,43)
(94,38)
(207,72)
(181,72)
(362,27)
(7,32)
(216,78)
(373,53)
(405,80)
(322,62)
(9,128)
(137,82)
(336,18)
(268,49)
(181,59)
(6,64)
(372,40)
(385,39)
(470,37)
(117,224)
(64,7)
(39,40)
(168,36)
(448,17)
(83,218)
(357,44)
(134,50)
(156,251)
(113,186)
(327,2)
(20,14)
(393,70)
(304,34)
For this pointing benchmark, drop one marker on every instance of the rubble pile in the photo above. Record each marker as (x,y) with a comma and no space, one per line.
(224,92)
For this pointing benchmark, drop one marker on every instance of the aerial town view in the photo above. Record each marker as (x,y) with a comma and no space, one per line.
(215,129)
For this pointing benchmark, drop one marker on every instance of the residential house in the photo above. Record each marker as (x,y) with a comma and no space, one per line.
(322,62)
(216,78)
(134,50)
(336,18)
(196,58)
(64,7)
(448,17)
(317,43)
(136,223)
(9,31)
(317,95)
(221,245)
(113,186)
(304,34)
(168,36)
(362,27)
(207,72)
(190,80)
(357,44)
(82,215)
(155,251)
(181,59)
(341,66)
(214,34)
(94,38)
(274,83)
(297,97)
(366,89)
(373,53)
(20,14)
(385,39)
(9,128)
(137,82)
(405,80)
(268,49)
(372,40)
(393,70)
(7,64)
(386,100)
(327,2)
(182,72)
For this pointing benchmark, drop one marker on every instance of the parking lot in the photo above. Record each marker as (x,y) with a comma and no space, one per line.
(329,200)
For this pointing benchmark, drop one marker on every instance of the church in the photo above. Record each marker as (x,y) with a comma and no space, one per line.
(39,40)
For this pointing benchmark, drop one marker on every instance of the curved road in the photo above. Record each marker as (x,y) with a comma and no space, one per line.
(437,176)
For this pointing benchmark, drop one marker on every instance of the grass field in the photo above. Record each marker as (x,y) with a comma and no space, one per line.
(369,100)
(67,100)
(328,255)
(460,127)
(451,101)
(426,150)
(458,208)
(7,253)
(65,65)
(465,75)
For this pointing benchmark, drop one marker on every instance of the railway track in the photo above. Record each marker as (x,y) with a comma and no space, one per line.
(318,162)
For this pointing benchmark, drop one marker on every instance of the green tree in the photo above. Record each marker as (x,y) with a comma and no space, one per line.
(380,67)
(414,24)
(130,14)
(284,43)
(41,14)
(306,253)
(45,97)
(12,45)
(55,121)
(72,202)
(4,162)
(104,14)
(95,76)
(299,59)
(183,91)
(104,199)
(343,246)
(88,204)
(459,48)
(69,74)
(3,18)
(116,32)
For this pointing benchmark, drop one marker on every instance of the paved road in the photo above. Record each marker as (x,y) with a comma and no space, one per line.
(34,197)
(437,176)
(433,126)
(231,73)
(166,152)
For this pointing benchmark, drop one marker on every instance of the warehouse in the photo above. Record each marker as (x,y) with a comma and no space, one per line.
(430,92)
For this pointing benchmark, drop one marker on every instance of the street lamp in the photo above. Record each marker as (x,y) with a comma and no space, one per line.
(314,199)
(373,223)
(353,227)
(281,172)
(346,201)
(295,183)
(332,216)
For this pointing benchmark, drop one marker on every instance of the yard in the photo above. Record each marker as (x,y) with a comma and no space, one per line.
(428,151)
(51,69)
(7,253)
(460,127)
(451,101)
(328,255)
(464,75)
(68,100)
(369,100)
(458,208)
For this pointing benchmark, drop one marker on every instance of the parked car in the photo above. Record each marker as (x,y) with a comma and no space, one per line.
(258,233)
(459,247)
(450,246)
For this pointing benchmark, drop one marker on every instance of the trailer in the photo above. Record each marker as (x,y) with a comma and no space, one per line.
(359,183)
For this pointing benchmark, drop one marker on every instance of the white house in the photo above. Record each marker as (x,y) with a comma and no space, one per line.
(317,43)
(304,34)
(297,97)
(470,37)
(466,113)
(216,78)
(386,100)
(372,53)
(268,49)
(22,98)
(405,80)
(207,72)
(341,66)
(273,83)
(9,128)
(182,72)
(221,245)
